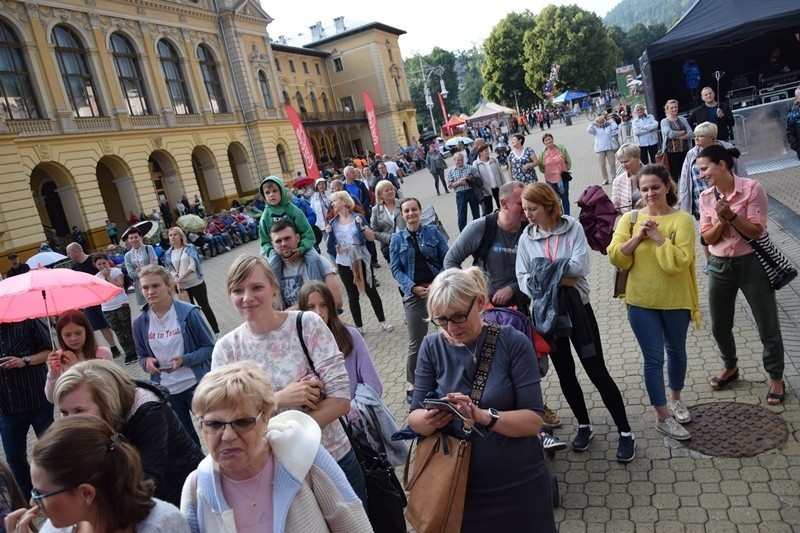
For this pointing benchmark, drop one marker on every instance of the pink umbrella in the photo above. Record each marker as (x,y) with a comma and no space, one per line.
(47,292)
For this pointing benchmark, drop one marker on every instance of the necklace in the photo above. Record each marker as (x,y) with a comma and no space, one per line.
(252,497)
(473,351)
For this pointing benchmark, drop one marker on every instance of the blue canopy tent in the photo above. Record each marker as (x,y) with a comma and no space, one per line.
(568,95)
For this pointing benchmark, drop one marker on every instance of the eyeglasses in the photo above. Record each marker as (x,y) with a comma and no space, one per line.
(240,425)
(38,497)
(442,321)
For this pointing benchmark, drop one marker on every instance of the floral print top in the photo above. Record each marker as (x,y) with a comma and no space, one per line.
(516,164)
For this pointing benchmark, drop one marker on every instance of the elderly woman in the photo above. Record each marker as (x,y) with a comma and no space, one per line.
(661,292)
(348,233)
(677,136)
(492,175)
(508,486)
(321,202)
(386,217)
(263,469)
(138,256)
(731,205)
(606,143)
(140,412)
(625,193)
(522,160)
(553,253)
(554,162)
(308,374)
(86,478)
(173,342)
(417,257)
(183,262)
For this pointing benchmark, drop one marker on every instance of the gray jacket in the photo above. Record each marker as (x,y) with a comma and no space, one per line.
(377,424)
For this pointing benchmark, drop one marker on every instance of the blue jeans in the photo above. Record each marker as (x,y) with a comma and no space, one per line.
(181,404)
(355,476)
(14,433)
(659,331)
(464,198)
(562,190)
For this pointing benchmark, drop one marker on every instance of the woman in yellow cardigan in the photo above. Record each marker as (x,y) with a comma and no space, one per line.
(661,294)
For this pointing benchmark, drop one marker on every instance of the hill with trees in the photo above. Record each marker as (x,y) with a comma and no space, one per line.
(628,13)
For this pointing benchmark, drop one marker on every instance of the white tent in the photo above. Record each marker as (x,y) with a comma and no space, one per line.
(489,110)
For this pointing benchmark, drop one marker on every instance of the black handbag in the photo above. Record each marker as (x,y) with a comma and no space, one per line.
(385,496)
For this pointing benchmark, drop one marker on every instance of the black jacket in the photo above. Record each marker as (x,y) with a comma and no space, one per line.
(167,452)
(724,124)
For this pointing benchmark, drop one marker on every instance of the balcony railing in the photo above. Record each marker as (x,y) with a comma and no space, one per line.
(224,118)
(32,127)
(334,116)
(146,122)
(189,120)
(86,124)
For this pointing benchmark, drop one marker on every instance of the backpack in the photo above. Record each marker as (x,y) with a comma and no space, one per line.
(506,316)
(489,233)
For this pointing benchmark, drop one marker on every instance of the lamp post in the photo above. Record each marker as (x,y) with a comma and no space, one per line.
(425,71)
(516,104)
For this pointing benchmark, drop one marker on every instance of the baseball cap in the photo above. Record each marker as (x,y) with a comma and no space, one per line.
(12,256)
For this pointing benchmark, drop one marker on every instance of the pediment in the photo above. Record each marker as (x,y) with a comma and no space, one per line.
(251,8)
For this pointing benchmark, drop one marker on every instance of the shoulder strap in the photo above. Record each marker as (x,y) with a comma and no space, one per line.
(487,239)
(484,364)
(303,341)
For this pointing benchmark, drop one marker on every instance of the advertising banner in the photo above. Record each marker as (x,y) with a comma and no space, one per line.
(372,120)
(302,139)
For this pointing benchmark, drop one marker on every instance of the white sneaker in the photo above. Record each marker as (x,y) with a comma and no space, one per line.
(671,428)
(680,412)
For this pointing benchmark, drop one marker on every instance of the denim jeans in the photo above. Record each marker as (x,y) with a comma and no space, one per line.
(464,198)
(562,190)
(181,404)
(354,474)
(659,331)
(14,433)
(416,312)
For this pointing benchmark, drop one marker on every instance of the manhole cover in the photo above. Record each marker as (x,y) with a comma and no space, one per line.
(727,429)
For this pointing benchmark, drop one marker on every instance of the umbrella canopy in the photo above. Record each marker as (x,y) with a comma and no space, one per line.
(191,223)
(43,259)
(455,140)
(305,181)
(568,95)
(597,217)
(45,292)
(146,227)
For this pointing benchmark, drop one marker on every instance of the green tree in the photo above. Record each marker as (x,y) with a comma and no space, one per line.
(414,73)
(472,79)
(575,39)
(639,36)
(503,66)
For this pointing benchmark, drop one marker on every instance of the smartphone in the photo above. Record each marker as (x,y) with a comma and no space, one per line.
(444,405)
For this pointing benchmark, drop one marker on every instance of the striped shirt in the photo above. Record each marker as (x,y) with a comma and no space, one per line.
(457,173)
(22,389)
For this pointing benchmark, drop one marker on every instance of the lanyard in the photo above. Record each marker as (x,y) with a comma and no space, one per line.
(547,253)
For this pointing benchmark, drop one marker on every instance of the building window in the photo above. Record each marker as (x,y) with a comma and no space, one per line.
(286,99)
(263,82)
(313,98)
(75,72)
(325,104)
(291,66)
(347,103)
(17,100)
(305,67)
(277,64)
(130,75)
(319,72)
(337,64)
(282,158)
(208,67)
(174,78)
(300,103)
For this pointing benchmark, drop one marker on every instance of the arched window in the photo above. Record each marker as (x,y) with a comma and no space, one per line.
(75,72)
(282,158)
(208,67)
(263,82)
(17,100)
(286,99)
(314,105)
(174,78)
(325,104)
(300,103)
(130,75)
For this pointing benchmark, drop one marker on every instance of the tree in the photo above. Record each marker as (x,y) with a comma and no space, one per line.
(413,68)
(575,39)
(503,66)
(472,83)
(639,36)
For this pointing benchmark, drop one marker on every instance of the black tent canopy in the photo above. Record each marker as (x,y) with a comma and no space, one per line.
(734,36)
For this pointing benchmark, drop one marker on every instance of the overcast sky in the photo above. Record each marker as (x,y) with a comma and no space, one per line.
(447,25)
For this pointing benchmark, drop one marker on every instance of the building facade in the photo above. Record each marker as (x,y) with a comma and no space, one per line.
(113,107)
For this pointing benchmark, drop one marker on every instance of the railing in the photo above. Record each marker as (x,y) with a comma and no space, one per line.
(94,124)
(32,127)
(333,116)
(189,120)
(225,118)
(146,122)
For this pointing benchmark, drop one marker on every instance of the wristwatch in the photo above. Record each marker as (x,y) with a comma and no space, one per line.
(26,360)
(495,415)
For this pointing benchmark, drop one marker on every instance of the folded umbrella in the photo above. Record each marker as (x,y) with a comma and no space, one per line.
(598,216)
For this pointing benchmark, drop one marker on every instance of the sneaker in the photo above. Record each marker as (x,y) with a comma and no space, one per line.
(551,443)
(581,441)
(680,412)
(114,351)
(671,428)
(550,418)
(626,449)
(387,327)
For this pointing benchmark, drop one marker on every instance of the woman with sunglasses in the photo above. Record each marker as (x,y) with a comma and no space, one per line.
(87,478)
(263,472)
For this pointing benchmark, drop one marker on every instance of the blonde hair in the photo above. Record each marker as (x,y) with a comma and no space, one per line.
(382,186)
(345,197)
(454,289)
(706,128)
(179,232)
(669,102)
(629,150)
(157,270)
(244,265)
(242,386)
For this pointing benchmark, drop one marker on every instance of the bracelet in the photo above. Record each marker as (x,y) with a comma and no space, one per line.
(730,220)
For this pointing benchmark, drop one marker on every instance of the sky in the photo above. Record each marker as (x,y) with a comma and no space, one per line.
(427,24)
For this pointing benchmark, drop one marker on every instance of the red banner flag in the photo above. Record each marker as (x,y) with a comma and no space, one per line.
(372,120)
(302,139)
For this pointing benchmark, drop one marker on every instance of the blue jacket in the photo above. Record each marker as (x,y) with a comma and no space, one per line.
(198,340)
(332,235)
(192,251)
(402,254)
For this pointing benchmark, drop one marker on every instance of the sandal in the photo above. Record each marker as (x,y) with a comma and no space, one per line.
(773,398)
(718,383)
(387,327)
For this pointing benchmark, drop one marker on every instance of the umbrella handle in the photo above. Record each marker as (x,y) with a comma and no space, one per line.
(49,325)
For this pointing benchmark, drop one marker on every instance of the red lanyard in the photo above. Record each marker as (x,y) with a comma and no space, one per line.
(547,253)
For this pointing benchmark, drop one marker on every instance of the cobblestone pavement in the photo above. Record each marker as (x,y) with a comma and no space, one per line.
(666,488)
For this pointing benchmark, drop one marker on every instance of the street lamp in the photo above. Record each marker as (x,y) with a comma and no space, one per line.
(425,71)
(516,104)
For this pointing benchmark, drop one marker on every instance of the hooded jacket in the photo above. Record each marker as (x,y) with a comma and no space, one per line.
(284,210)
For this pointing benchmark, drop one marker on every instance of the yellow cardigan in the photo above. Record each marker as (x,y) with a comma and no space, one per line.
(660,277)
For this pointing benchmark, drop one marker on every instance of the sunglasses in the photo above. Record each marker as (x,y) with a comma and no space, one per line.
(442,321)
(240,425)
(38,497)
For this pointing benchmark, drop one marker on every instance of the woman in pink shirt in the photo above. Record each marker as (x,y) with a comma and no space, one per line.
(728,206)
(554,162)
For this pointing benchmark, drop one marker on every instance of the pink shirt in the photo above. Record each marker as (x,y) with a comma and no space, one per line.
(102,352)
(749,201)
(554,165)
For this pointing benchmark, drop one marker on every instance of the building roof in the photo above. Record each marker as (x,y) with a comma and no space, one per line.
(331,34)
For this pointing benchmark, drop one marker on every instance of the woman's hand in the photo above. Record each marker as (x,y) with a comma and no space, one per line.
(21,519)
(650,229)
(177,362)
(151,365)
(723,209)
(420,291)
(464,404)
(54,361)
(68,359)
(303,391)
